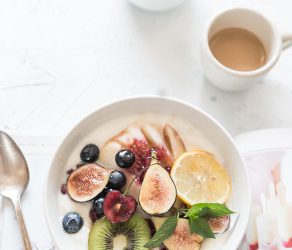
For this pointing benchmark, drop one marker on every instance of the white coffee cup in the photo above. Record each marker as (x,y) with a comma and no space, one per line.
(156,5)
(233,80)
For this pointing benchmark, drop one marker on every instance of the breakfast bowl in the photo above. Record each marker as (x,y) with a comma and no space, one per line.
(158,122)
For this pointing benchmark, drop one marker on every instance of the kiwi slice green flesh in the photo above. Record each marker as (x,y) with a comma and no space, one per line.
(130,235)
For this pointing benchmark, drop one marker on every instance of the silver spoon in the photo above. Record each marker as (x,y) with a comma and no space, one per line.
(14,177)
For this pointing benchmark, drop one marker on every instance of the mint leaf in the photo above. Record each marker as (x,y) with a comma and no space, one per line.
(218,210)
(208,210)
(200,226)
(163,233)
(197,210)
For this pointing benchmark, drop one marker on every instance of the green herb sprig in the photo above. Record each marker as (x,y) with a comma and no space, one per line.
(197,216)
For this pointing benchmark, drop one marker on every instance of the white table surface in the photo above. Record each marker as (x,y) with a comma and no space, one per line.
(61,59)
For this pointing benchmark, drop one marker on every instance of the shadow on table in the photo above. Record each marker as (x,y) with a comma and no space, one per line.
(262,106)
(170,40)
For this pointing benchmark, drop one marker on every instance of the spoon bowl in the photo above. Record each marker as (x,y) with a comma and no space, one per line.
(14,174)
(14,178)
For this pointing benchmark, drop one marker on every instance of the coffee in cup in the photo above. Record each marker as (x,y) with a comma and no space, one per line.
(238,49)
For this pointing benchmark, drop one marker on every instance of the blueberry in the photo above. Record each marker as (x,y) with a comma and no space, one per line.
(107,190)
(104,192)
(72,222)
(89,153)
(116,180)
(125,158)
(98,206)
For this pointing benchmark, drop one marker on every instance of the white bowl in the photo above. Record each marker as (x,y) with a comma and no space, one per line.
(240,199)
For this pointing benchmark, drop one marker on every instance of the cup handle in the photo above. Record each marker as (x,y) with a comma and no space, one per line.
(286,41)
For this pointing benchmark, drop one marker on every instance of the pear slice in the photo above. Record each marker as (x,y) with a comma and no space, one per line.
(108,152)
(174,141)
(158,192)
(122,140)
(128,135)
(155,139)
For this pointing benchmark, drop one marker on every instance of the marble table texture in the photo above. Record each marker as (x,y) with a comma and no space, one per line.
(61,59)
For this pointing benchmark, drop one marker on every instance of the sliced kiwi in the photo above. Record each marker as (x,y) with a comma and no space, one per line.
(130,235)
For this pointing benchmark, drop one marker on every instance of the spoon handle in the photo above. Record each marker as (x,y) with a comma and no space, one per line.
(19,217)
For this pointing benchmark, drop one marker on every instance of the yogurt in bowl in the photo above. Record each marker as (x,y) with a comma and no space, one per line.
(197,130)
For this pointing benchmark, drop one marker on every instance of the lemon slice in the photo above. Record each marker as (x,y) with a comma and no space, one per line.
(200,178)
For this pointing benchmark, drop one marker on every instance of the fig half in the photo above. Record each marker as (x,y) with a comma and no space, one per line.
(182,238)
(158,192)
(219,224)
(87,182)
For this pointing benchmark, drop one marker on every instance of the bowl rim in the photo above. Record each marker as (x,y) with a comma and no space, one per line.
(140,98)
